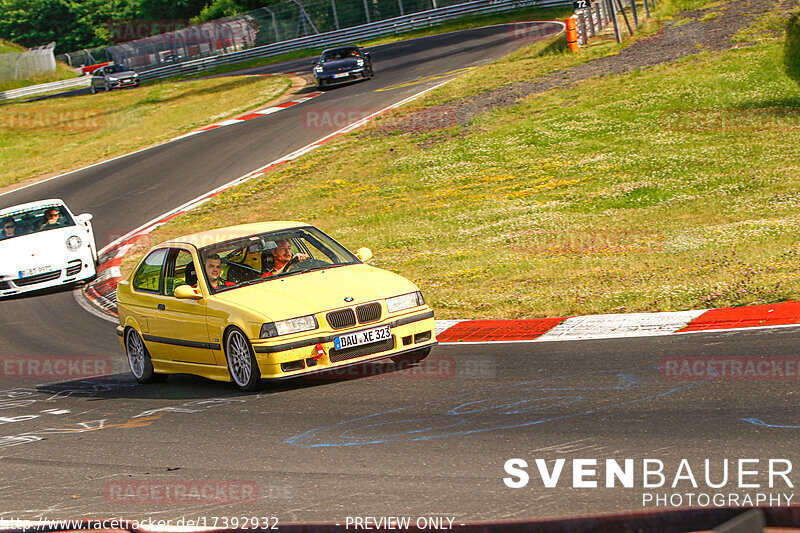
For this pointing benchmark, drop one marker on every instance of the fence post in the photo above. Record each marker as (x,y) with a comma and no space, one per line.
(635,14)
(335,16)
(400,5)
(647,8)
(612,12)
(366,10)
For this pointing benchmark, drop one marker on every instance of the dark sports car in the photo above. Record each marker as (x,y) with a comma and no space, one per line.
(341,65)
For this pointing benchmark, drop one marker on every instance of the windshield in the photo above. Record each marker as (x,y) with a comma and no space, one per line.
(28,221)
(113,69)
(266,256)
(338,53)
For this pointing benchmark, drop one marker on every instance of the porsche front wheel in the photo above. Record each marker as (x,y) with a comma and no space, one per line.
(139,359)
(242,363)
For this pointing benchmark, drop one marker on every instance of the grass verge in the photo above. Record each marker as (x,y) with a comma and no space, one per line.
(46,137)
(674,187)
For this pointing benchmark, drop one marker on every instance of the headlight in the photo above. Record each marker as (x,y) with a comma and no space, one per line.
(74,243)
(135,75)
(360,62)
(405,301)
(285,327)
(112,79)
(318,68)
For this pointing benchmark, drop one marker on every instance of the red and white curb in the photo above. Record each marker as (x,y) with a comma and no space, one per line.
(618,325)
(250,116)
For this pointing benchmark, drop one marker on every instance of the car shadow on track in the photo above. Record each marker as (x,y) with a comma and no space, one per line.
(189,387)
(68,287)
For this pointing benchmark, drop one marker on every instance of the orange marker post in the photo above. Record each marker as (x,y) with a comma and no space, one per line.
(572,34)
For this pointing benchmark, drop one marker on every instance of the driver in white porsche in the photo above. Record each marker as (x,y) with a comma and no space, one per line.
(9,228)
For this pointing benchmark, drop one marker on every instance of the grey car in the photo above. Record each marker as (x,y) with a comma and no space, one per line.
(341,65)
(113,77)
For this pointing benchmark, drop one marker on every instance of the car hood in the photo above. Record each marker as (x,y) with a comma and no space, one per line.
(339,64)
(126,74)
(318,291)
(37,249)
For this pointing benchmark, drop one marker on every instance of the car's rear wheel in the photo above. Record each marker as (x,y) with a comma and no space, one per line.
(411,358)
(139,359)
(242,363)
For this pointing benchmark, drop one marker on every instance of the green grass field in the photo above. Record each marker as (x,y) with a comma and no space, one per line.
(672,187)
(38,139)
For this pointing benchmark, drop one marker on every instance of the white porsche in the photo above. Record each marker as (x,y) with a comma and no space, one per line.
(42,244)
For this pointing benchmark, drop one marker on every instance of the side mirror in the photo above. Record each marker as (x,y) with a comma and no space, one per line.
(314,62)
(365,254)
(186,292)
(83,219)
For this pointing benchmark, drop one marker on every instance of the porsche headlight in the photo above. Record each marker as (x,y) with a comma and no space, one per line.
(285,327)
(318,68)
(405,301)
(74,243)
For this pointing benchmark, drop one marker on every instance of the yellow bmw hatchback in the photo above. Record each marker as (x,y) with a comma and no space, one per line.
(271,301)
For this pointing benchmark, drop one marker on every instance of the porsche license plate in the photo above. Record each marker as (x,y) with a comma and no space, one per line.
(366,336)
(34,271)
(341,75)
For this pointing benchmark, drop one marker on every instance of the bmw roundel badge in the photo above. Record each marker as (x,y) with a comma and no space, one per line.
(348,298)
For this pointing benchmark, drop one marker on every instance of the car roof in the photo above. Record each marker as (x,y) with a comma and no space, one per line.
(39,204)
(345,47)
(204,238)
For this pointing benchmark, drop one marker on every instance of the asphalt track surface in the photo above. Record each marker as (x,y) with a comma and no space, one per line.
(426,441)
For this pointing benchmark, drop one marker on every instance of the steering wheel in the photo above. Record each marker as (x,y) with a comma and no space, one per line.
(293,261)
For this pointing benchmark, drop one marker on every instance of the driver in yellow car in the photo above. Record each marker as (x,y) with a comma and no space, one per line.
(281,255)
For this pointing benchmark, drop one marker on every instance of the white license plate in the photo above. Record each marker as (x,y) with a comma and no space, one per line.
(341,75)
(34,271)
(366,336)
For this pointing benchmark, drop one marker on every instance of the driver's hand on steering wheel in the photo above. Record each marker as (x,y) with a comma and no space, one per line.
(300,257)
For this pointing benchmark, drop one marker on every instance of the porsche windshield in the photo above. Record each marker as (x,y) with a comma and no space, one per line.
(339,53)
(28,221)
(266,256)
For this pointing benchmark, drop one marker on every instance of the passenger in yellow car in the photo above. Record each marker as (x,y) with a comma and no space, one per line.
(213,268)
(281,255)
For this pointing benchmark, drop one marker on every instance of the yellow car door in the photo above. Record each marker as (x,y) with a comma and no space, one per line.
(178,327)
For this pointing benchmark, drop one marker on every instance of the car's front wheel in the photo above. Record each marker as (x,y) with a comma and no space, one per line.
(92,88)
(242,363)
(139,359)
(107,86)
(411,358)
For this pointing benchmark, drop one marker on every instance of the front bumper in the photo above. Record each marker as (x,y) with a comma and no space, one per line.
(277,361)
(78,268)
(122,84)
(327,80)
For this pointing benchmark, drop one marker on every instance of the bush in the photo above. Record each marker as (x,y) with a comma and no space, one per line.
(792,47)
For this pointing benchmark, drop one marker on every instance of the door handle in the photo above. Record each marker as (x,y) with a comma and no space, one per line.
(161,307)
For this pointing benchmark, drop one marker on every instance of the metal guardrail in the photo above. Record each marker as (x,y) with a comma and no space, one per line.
(74,83)
(356,33)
